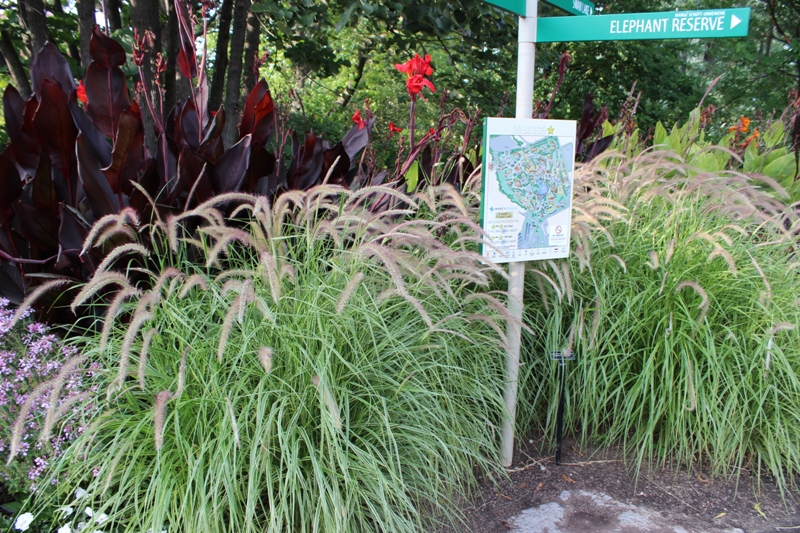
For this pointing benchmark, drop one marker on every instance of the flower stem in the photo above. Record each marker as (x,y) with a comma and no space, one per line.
(411,124)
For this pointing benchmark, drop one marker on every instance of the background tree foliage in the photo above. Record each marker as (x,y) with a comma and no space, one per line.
(326,58)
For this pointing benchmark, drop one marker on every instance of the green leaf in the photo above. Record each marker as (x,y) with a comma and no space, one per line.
(775,154)
(774,135)
(752,161)
(659,136)
(608,129)
(782,169)
(265,7)
(412,176)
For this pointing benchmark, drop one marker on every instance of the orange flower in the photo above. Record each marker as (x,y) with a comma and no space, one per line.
(742,127)
(358,120)
(81,93)
(416,69)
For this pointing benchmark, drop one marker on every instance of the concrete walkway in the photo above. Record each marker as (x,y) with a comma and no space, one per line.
(580,511)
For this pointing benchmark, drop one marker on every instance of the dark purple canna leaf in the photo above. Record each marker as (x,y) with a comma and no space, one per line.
(307,162)
(12,284)
(258,114)
(167,163)
(97,142)
(10,186)
(201,101)
(187,61)
(190,165)
(202,189)
(43,191)
(102,200)
(24,144)
(262,165)
(356,139)
(73,230)
(150,183)
(187,129)
(105,51)
(127,156)
(39,227)
(212,148)
(50,65)
(108,97)
(231,169)
(57,132)
(336,165)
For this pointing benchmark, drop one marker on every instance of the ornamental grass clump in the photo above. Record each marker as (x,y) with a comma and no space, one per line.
(682,309)
(305,366)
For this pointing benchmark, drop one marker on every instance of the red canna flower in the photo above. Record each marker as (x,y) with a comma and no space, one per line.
(358,120)
(394,129)
(416,69)
(415,83)
(81,93)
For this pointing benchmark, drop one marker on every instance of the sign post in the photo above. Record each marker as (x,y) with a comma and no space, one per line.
(629,26)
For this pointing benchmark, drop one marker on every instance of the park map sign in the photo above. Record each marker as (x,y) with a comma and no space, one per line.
(527,188)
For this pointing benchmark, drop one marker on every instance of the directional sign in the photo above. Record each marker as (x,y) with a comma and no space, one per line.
(644,26)
(515,6)
(576,7)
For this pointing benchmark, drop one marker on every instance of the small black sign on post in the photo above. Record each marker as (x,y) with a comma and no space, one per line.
(562,358)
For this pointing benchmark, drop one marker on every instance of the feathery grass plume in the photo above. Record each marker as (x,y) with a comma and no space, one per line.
(567,279)
(118,221)
(391,292)
(112,231)
(166,275)
(782,326)
(768,358)
(159,416)
(663,282)
(234,425)
(549,280)
(265,358)
(596,316)
(348,291)
(143,355)
(619,260)
(719,251)
(24,411)
(270,267)
(330,403)
(286,203)
(670,251)
(653,263)
(98,282)
(224,198)
(52,416)
(492,323)
(195,280)
(425,198)
(111,314)
(699,290)
(234,273)
(542,293)
(450,196)
(225,235)
(33,296)
(324,229)
(227,325)
(182,373)
(690,386)
(120,251)
(138,320)
(763,276)
(365,193)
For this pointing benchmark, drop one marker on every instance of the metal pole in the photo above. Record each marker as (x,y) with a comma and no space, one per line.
(516,271)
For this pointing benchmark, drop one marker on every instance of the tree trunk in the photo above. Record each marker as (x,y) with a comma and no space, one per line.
(85,24)
(233,85)
(145,16)
(18,75)
(34,23)
(251,46)
(170,44)
(114,17)
(221,57)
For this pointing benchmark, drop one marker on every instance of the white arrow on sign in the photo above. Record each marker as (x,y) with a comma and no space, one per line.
(735,21)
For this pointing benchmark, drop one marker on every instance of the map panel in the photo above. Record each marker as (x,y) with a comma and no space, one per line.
(527,188)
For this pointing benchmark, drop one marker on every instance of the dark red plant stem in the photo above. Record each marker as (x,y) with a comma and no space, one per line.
(411,123)
(5,257)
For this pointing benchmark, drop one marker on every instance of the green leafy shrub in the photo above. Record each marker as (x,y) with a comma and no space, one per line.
(319,367)
(681,304)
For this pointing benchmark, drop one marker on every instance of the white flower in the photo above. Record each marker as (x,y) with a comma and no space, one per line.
(81,526)
(79,493)
(23,522)
(102,517)
(64,529)
(88,512)
(67,510)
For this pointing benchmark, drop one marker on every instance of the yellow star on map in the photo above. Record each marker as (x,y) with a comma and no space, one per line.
(550,130)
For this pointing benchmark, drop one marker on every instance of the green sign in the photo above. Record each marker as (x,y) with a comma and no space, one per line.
(515,6)
(643,26)
(576,7)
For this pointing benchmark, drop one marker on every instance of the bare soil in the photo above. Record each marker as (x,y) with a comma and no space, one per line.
(695,499)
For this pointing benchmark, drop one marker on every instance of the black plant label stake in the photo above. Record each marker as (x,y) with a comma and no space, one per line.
(562,358)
